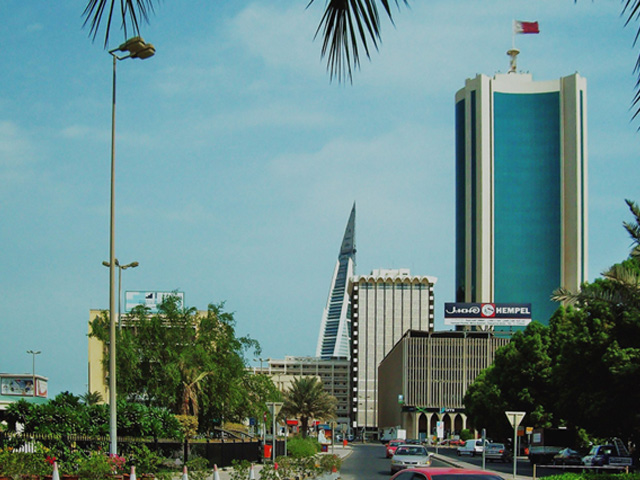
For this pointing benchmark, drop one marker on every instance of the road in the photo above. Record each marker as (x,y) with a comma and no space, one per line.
(368,462)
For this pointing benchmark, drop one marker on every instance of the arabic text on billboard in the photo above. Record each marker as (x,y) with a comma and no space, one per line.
(487,314)
(150,299)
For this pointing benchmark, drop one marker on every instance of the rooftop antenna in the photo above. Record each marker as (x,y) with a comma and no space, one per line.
(513,53)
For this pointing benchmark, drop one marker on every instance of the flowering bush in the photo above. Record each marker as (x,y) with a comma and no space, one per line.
(99,466)
(16,464)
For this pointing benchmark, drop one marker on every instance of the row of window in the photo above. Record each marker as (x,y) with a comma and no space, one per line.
(391,286)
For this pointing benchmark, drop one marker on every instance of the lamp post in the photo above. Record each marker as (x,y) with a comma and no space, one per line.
(120,268)
(134,48)
(33,368)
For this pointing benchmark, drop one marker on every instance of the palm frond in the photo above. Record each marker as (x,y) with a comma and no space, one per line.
(632,11)
(347,26)
(131,11)
(633,228)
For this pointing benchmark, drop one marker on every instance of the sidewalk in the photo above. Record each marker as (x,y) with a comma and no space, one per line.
(341,451)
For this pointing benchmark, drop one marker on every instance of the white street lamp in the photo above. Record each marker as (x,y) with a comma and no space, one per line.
(120,268)
(134,48)
(33,368)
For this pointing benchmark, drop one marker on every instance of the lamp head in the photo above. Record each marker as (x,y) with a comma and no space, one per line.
(137,48)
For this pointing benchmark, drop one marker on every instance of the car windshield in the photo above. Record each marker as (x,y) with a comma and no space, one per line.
(411,451)
(495,445)
(395,444)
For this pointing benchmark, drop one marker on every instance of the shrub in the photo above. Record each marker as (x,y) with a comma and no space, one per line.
(240,469)
(299,447)
(466,435)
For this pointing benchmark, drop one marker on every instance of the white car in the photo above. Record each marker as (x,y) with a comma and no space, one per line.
(410,456)
(471,447)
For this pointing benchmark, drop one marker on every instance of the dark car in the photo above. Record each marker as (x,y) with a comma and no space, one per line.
(498,452)
(433,473)
(567,456)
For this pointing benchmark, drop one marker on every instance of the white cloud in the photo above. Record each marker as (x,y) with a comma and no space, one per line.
(15,147)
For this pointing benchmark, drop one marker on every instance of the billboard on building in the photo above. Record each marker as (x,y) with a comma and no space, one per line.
(22,386)
(487,314)
(149,299)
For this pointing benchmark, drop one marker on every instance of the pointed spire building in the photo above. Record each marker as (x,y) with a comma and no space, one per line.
(335,329)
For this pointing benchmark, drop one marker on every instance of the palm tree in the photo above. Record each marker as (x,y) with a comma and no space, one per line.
(92,398)
(347,26)
(306,399)
(623,287)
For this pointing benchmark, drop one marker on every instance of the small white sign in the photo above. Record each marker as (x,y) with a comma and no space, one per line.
(515,417)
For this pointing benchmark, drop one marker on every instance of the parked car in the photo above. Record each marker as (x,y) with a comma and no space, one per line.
(456,442)
(413,441)
(410,456)
(392,445)
(567,456)
(471,447)
(497,451)
(613,454)
(436,473)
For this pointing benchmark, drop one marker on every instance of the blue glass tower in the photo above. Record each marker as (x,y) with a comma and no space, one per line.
(335,329)
(521,189)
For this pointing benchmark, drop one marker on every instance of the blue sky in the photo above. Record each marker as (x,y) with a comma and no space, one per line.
(238,160)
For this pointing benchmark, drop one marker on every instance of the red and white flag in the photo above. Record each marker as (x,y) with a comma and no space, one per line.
(525,27)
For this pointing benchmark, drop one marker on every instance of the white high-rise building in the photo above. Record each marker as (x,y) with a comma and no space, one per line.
(335,328)
(521,189)
(385,305)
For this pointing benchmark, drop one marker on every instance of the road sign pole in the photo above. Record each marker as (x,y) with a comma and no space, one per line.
(484,447)
(515,418)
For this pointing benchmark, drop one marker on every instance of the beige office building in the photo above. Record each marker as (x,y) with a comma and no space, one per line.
(424,378)
(384,305)
(334,375)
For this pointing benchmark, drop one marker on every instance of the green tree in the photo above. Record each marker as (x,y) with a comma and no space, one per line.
(67,414)
(581,370)
(92,398)
(306,399)
(519,379)
(189,362)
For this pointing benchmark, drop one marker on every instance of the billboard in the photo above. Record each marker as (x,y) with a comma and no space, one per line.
(487,314)
(149,299)
(23,386)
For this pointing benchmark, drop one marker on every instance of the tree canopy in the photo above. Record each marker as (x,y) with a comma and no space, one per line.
(306,400)
(582,369)
(190,362)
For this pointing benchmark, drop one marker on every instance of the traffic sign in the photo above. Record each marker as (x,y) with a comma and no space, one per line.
(515,417)
(274,408)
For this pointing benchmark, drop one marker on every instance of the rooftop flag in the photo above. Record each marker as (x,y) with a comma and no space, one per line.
(525,27)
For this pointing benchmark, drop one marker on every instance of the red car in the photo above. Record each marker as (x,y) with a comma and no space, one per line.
(392,445)
(433,473)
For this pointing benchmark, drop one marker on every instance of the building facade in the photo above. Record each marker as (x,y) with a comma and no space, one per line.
(424,378)
(335,327)
(384,305)
(334,375)
(521,189)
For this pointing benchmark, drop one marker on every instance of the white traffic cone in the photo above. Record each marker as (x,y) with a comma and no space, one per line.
(252,475)
(56,475)
(133,473)
(185,476)
(216,474)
